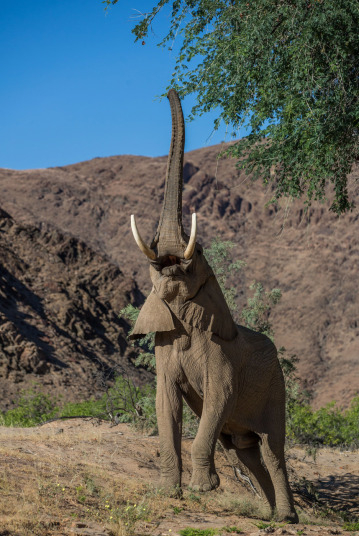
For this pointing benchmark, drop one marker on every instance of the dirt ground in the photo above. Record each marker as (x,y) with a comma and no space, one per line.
(82,477)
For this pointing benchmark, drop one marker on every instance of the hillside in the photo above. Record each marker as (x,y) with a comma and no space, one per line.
(59,304)
(312,257)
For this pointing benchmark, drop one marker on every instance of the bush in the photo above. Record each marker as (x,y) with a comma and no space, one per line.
(146,345)
(32,408)
(327,426)
(256,314)
(218,256)
(123,402)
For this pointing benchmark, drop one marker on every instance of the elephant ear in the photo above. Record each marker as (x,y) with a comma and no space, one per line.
(208,311)
(154,316)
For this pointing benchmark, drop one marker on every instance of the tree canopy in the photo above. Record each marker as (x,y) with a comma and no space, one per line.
(287,70)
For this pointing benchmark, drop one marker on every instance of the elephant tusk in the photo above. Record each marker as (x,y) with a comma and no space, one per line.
(192,239)
(141,244)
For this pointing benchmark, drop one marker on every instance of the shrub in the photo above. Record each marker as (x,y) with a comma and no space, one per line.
(146,345)
(351,526)
(218,256)
(256,314)
(123,402)
(31,408)
(327,426)
(197,532)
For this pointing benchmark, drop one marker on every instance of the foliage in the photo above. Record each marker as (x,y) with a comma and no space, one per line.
(285,70)
(123,402)
(327,426)
(31,408)
(256,314)
(131,514)
(294,395)
(197,532)
(146,357)
(354,526)
(218,256)
(265,526)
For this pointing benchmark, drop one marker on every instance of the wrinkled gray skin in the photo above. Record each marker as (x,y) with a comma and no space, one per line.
(229,375)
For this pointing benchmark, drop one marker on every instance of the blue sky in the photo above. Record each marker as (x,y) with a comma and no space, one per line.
(74,85)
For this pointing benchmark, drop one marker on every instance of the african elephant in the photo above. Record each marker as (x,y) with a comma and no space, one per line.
(229,375)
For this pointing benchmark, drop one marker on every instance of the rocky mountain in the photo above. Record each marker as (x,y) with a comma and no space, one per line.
(312,256)
(59,324)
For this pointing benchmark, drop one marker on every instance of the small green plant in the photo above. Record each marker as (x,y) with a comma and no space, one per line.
(263,526)
(193,497)
(81,496)
(232,530)
(91,486)
(123,402)
(351,526)
(177,510)
(197,532)
(131,513)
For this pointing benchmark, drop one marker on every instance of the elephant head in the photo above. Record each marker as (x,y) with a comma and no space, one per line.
(184,285)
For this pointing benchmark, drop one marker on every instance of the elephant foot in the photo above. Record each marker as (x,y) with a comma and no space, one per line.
(170,488)
(291,517)
(202,480)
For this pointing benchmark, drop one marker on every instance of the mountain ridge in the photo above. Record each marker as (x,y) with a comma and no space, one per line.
(59,325)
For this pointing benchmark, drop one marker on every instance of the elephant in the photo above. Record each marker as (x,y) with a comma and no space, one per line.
(229,375)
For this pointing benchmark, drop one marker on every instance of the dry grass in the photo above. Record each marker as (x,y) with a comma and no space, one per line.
(45,473)
(78,478)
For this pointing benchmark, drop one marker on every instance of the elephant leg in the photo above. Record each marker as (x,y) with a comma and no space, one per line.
(250,463)
(169,418)
(273,455)
(204,475)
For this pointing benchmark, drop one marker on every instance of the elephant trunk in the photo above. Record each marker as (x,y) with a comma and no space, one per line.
(170,237)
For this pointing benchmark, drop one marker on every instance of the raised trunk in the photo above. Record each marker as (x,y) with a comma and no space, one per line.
(170,237)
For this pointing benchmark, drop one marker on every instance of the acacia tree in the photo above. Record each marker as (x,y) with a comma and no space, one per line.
(288,71)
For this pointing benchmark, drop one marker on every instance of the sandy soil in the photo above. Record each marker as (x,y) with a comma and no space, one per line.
(88,478)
